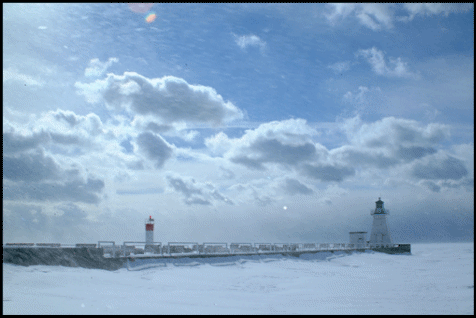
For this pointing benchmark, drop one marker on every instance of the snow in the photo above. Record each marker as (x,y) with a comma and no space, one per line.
(435,279)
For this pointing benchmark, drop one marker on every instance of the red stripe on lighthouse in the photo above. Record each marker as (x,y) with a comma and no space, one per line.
(149,227)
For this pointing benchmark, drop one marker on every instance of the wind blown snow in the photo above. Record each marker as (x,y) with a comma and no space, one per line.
(435,279)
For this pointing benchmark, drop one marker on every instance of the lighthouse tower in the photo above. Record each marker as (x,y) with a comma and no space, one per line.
(380,234)
(149,232)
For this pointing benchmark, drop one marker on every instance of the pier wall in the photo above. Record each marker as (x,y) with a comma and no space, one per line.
(70,257)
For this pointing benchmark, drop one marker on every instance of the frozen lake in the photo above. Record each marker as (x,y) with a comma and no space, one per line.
(435,279)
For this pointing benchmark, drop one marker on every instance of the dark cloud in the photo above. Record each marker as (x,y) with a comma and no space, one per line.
(415,152)
(274,151)
(68,224)
(196,193)
(30,167)
(30,174)
(436,168)
(293,186)
(219,197)
(14,142)
(65,139)
(155,148)
(74,191)
(431,185)
(466,182)
(71,118)
(186,189)
(199,201)
(327,173)
(135,165)
(156,128)
(363,157)
(250,163)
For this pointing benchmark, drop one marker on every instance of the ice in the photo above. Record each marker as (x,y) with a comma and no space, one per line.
(435,279)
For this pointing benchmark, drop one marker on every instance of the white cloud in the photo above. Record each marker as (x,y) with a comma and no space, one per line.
(218,144)
(376,59)
(371,15)
(10,74)
(250,40)
(285,142)
(394,132)
(340,67)
(376,16)
(169,99)
(415,9)
(96,68)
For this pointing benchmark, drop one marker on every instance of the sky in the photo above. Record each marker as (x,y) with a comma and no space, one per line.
(237,122)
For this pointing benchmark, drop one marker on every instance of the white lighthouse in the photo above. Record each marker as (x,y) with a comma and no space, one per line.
(380,234)
(149,232)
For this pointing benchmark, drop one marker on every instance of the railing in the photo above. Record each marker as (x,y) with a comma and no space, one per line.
(137,249)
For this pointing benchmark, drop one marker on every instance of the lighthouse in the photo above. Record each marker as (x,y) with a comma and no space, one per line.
(380,234)
(149,232)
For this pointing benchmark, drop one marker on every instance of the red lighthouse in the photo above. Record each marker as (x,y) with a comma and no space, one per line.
(149,231)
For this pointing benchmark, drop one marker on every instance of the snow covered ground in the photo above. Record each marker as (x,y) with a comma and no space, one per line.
(435,279)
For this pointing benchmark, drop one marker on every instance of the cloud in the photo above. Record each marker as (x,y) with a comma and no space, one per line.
(355,156)
(245,41)
(439,167)
(415,9)
(327,173)
(10,74)
(154,147)
(36,165)
(293,187)
(218,144)
(287,142)
(30,167)
(97,69)
(274,151)
(431,185)
(169,99)
(194,192)
(75,190)
(340,67)
(14,142)
(372,15)
(367,100)
(391,132)
(376,59)
(377,16)
(388,142)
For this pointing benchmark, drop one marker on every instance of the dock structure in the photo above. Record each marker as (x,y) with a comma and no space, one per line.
(108,255)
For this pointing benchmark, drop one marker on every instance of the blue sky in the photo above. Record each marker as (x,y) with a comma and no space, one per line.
(234,122)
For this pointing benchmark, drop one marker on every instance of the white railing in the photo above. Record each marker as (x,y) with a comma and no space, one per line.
(139,249)
(218,248)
